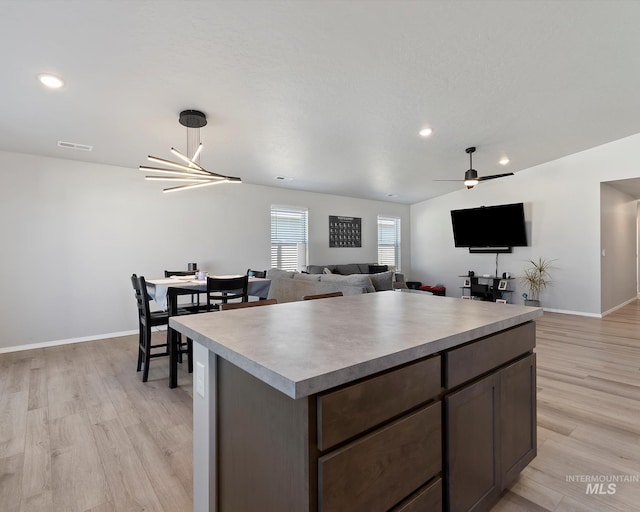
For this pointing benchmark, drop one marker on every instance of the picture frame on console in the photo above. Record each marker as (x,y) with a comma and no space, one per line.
(502,285)
(467,283)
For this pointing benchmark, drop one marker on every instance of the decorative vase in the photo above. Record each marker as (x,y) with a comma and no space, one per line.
(533,303)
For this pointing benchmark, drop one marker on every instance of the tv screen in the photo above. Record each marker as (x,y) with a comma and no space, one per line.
(490,226)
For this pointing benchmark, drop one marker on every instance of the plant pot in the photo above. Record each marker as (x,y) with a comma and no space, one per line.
(532,303)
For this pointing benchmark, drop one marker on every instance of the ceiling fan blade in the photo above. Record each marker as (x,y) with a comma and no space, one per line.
(494,176)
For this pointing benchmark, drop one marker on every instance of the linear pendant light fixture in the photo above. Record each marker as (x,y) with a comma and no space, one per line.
(190,171)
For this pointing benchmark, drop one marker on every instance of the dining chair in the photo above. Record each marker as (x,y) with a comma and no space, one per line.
(224,289)
(193,306)
(243,305)
(146,320)
(322,296)
(257,273)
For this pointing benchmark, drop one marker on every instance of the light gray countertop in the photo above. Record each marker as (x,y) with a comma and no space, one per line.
(303,348)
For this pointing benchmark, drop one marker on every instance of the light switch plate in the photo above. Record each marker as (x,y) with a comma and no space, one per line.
(200,379)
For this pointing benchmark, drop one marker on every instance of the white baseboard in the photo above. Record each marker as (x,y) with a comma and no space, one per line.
(620,306)
(55,343)
(568,312)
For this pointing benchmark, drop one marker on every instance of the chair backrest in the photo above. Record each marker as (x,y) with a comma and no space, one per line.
(169,273)
(142,299)
(227,288)
(256,273)
(323,296)
(242,305)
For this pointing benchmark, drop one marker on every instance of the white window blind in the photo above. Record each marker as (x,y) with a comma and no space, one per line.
(289,237)
(389,241)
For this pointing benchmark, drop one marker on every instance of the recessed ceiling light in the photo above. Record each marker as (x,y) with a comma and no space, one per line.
(425,132)
(282,178)
(50,81)
(504,161)
(392,195)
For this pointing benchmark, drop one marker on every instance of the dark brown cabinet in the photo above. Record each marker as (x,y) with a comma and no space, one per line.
(490,435)
(472,434)
(446,432)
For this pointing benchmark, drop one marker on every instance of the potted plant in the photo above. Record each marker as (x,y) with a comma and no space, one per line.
(536,278)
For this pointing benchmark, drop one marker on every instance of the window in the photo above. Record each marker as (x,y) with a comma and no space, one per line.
(389,241)
(289,237)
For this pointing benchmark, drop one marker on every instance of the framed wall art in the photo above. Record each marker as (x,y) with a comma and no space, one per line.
(345,231)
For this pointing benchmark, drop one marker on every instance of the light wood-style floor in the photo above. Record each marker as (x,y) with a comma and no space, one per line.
(80,432)
(588,415)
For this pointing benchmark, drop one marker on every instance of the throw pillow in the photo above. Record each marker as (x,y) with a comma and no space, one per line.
(376,269)
(326,271)
(307,277)
(314,269)
(382,281)
(359,280)
(276,273)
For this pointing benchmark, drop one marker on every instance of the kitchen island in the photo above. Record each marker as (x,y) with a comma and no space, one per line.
(381,401)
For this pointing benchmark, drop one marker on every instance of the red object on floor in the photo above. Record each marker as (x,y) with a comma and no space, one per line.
(436,290)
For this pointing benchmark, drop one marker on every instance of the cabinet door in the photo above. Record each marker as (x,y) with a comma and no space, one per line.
(517,417)
(378,470)
(473,469)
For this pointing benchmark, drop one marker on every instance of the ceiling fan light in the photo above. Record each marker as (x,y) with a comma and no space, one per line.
(470,183)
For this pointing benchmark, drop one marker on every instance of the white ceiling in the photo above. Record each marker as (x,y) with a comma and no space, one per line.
(329,93)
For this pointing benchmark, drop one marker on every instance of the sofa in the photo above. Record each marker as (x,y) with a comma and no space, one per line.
(293,286)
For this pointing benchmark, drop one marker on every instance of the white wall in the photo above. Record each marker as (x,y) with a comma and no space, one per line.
(562,208)
(618,213)
(73,233)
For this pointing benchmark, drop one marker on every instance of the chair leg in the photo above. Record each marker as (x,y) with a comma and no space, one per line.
(147,352)
(140,345)
(190,354)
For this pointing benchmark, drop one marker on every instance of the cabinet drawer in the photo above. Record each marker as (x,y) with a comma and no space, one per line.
(352,410)
(427,499)
(468,362)
(379,470)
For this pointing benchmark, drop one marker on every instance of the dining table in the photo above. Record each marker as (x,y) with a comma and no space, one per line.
(166,292)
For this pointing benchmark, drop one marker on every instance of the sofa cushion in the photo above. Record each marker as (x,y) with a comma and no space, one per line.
(307,277)
(276,273)
(376,269)
(345,270)
(382,281)
(291,290)
(360,280)
(315,269)
(364,267)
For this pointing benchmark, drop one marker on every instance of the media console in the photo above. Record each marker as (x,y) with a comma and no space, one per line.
(487,288)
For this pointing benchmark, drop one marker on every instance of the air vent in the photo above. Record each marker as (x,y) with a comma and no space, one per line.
(73,145)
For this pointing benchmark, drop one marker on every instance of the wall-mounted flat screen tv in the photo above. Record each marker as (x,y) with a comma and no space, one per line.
(490,226)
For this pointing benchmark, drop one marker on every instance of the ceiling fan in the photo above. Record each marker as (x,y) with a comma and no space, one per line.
(471,178)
